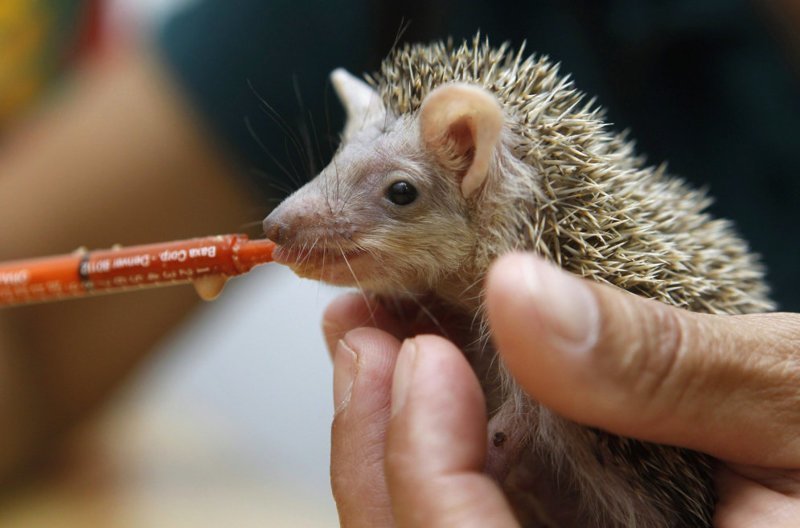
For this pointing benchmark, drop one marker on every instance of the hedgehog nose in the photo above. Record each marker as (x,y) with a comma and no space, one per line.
(275,229)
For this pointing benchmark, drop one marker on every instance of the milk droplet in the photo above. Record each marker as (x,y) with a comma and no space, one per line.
(208,287)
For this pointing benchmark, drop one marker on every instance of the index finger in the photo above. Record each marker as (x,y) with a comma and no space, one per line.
(354,310)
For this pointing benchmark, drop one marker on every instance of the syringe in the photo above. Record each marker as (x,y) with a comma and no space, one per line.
(207,262)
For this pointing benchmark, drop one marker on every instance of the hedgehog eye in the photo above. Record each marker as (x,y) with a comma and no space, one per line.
(401,193)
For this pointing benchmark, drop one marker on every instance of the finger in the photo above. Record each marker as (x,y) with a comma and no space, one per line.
(726,385)
(436,446)
(753,498)
(363,364)
(354,310)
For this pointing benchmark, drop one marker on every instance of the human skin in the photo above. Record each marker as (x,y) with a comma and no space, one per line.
(409,430)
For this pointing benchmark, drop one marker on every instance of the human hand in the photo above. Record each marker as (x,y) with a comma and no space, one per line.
(409,434)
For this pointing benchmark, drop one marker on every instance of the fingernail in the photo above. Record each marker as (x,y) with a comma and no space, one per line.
(564,302)
(345,367)
(403,372)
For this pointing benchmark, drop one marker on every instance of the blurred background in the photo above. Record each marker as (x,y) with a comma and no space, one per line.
(135,121)
(228,425)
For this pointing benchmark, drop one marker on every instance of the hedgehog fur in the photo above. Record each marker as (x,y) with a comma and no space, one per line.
(601,212)
(563,185)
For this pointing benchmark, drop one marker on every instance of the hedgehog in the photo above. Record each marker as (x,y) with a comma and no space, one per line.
(453,155)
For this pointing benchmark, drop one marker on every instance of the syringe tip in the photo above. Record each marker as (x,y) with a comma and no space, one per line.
(254,252)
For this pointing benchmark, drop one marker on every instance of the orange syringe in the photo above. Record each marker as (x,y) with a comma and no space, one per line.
(205,261)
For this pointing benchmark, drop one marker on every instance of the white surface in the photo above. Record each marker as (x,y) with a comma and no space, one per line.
(253,363)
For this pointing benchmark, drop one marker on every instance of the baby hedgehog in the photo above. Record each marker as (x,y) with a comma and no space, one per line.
(452,156)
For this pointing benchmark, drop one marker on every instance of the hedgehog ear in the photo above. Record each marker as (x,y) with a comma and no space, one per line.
(460,125)
(360,100)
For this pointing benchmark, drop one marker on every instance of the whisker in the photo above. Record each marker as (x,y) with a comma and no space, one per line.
(307,154)
(324,254)
(273,182)
(358,285)
(315,142)
(426,312)
(249,225)
(331,144)
(278,120)
(290,160)
(292,178)
(305,253)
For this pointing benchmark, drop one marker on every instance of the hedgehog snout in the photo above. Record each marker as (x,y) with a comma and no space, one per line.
(277,229)
(287,226)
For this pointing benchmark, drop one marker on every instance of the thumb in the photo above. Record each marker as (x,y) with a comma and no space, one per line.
(436,442)
(725,385)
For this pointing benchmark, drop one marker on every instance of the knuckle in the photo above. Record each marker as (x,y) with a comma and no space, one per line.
(663,346)
(649,352)
(395,464)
